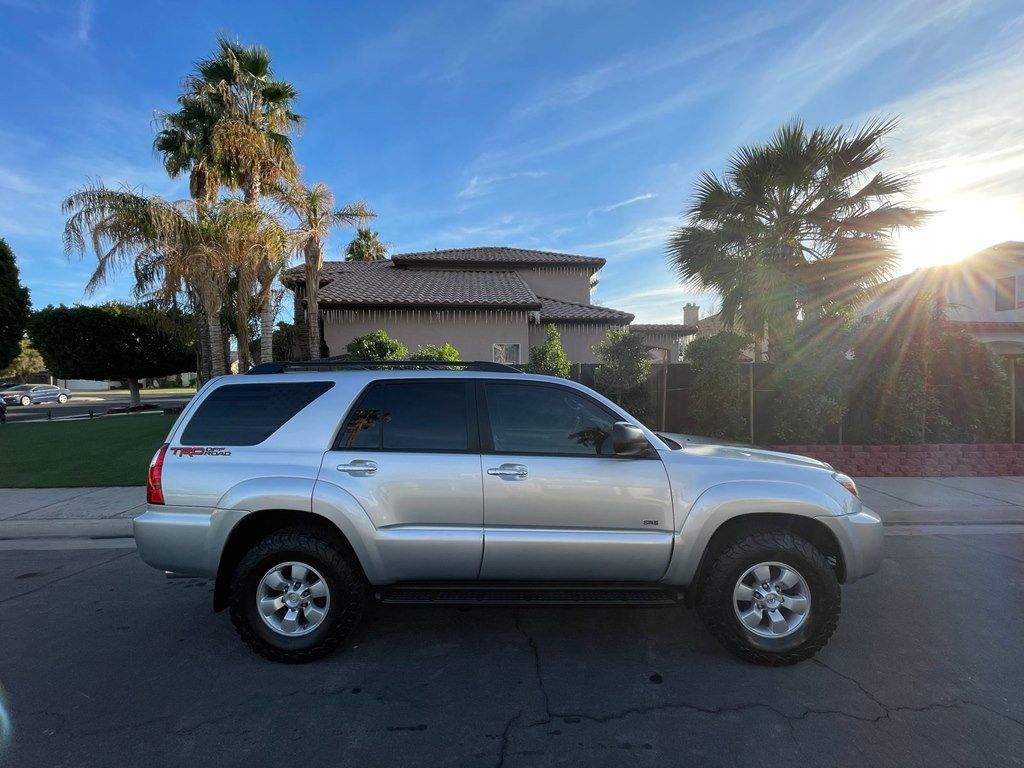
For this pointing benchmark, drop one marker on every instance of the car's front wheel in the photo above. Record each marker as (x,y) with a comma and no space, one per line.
(296,595)
(770,597)
(26,400)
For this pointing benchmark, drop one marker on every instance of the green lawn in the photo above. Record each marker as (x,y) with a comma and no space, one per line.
(111,450)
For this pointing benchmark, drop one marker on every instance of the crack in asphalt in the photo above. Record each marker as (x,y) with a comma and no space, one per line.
(536,665)
(503,750)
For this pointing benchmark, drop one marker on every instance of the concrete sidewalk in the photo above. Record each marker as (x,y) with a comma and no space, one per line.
(901,501)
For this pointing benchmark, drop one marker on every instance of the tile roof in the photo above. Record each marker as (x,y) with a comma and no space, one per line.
(681,330)
(567,311)
(497,255)
(376,284)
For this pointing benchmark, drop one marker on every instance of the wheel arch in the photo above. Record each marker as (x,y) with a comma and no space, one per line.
(257,525)
(814,531)
(724,509)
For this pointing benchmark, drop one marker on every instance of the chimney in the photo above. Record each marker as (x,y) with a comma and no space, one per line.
(691,313)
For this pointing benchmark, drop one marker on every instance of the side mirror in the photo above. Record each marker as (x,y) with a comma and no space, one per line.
(628,439)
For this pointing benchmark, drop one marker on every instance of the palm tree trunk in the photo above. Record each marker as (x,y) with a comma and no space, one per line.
(313,255)
(213,331)
(267,332)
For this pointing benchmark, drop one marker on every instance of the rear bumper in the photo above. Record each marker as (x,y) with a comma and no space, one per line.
(861,537)
(180,539)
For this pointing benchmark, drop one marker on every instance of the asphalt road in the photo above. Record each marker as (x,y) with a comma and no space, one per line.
(80,404)
(107,663)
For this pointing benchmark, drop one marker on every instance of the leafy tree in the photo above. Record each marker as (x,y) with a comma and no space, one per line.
(110,341)
(14,306)
(313,208)
(366,246)
(717,393)
(286,341)
(376,346)
(799,225)
(444,352)
(549,359)
(623,368)
(28,363)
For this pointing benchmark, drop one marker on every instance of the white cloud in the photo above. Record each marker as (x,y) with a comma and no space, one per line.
(83,29)
(622,203)
(477,186)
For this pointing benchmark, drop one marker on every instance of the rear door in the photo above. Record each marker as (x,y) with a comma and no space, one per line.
(409,454)
(558,503)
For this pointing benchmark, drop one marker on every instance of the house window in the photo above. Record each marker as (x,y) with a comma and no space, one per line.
(1006,293)
(507,353)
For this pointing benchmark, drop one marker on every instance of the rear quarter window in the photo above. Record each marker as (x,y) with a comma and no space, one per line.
(247,414)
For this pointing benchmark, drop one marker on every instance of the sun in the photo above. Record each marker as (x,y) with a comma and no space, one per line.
(960,227)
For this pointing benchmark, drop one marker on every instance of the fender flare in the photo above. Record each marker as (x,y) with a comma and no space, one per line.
(726,501)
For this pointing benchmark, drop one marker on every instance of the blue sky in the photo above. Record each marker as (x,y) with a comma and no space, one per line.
(576,125)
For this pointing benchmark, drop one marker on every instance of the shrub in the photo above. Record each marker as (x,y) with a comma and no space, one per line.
(444,352)
(810,377)
(717,394)
(623,368)
(549,359)
(376,346)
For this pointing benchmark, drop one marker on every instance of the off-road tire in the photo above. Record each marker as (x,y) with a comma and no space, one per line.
(715,597)
(344,578)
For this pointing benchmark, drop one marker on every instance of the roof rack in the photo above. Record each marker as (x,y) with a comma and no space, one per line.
(334,364)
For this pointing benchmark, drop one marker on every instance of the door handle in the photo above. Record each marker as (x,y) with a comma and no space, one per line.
(359,467)
(510,471)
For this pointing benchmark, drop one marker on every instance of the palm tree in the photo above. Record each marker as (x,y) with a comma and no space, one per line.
(171,246)
(313,208)
(185,144)
(252,115)
(249,115)
(799,226)
(366,246)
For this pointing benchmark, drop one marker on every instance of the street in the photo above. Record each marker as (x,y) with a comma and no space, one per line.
(82,402)
(106,662)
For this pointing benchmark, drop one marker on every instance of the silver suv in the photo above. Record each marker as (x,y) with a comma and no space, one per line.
(305,489)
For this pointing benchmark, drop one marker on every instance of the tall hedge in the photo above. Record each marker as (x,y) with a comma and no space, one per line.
(14,306)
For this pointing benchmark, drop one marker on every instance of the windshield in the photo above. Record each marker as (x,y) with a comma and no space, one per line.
(19,388)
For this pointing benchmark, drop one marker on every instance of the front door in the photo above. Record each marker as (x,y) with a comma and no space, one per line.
(409,454)
(558,503)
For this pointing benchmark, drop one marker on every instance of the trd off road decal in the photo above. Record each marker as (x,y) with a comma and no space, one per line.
(191,451)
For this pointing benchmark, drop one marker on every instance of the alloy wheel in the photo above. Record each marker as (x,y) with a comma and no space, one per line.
(772,600)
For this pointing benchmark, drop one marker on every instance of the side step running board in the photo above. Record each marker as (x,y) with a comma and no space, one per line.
(530,596)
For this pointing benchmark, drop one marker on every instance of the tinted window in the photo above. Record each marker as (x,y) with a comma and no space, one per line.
(411,416)
(539,419)
(247,414)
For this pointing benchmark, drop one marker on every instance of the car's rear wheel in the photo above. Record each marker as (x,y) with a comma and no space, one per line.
(770,597)
(296,595)
(26,400)
(62,398)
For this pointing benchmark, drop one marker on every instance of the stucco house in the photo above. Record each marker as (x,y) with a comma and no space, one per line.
(984,294)
(491,303)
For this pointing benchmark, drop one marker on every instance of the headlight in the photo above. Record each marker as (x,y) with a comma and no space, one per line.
(846,481)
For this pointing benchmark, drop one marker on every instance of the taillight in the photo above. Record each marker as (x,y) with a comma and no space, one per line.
(154,484)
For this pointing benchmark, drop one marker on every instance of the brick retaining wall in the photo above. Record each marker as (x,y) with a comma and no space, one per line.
(918,460)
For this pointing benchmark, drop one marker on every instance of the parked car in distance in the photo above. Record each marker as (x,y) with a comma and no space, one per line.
(30,394)
(305,489)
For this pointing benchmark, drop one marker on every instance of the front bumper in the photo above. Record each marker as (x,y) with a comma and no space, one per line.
(184,540)
(861,538)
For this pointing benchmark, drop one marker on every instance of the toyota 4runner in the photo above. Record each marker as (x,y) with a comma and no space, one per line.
(305,489)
